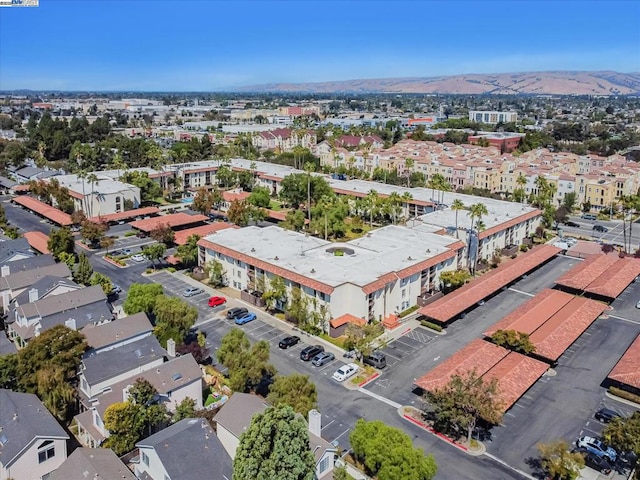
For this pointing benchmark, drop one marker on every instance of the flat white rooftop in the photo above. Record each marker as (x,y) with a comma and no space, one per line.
(364,260)
(104,185)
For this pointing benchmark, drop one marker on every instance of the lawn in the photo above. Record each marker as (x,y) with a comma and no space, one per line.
(275,206)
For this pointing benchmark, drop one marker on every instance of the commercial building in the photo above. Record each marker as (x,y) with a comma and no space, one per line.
(492,117)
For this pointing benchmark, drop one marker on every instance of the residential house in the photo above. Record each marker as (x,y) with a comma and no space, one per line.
(75,309)
(29,263)
(174,381)
(187,450)
(27,174)
(119,332)
(92,464)
(12,250)
(14,282)
(32,442)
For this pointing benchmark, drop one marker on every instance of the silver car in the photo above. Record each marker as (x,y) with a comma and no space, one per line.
(191,291)
(323,358)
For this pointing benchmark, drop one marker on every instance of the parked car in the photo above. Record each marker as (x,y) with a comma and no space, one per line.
(246,318)
(142,235)
(126,251)
(311,351)
(288,342)
(191,291)
(600,228)
(595,446)
(116,289)
(638,304)
(138,257)
(233,313)
(375,359)
(323,358)
(217,301)
(597,463)
(589,216)
(115,253)
(573,224)
(345,371)
(606,415)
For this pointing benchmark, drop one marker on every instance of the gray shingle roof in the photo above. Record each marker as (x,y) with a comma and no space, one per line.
(30,263)
(23,279)
(23,419)
(81,316)
(7,183)
(99,336)
(190,450)
(44,285)
(111,363)
(236,414)
(10,248)
(28,172)
(62,303)
(91,464)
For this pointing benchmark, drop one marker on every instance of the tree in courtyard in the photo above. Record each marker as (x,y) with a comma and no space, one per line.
(185,409)
(361,337)
(276,445)
(388,454)
(205,200)
(188,253)
(242,213)
(83,270)
(154,252)
(295,390)
(459,404)
(294,220)
(453,279)
(260,197)
(559,461)
(298,188)
(60,240)
(149,189)
(105,282)
(174,317)
(514,340)
(141,297)
(162,234)
(248,364)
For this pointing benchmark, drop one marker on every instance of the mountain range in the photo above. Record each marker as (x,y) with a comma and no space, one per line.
(523,83)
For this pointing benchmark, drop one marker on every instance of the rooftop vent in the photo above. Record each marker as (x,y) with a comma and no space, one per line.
(253,250)
(176,376)
(276,258)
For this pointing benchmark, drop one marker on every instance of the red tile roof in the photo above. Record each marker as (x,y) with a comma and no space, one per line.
(273,269)
(509,224)
(21,188)
(173,220)
(479,355)
(453,304)
(582,249)
(627,370)
(116,217)
(429,262)
(347,318)
(181,236)
(380,282)
(560,331)
(604,275)
(532,314)
(281,216)
(516,373)
(270,177)
(231,196)
(47,211)
(38,241)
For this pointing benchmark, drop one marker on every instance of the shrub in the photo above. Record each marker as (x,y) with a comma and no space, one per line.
(171,270)
(514,256)
(149,270)
(524,248)
(618,392)
(432,326)
(129,234)
(408,311)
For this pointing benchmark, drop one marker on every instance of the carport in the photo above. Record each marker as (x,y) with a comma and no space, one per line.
(626,373)
(38,241)
(466,297)
(515,373)
(44,210)
(173,221)
(601,276)
(116,217)
(182,236)
(553,320)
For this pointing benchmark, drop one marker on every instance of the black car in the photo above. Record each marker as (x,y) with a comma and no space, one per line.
(236,312)
(600,228)
(310,352)
(288,342)
(569,223)
(606,415)
(597,463)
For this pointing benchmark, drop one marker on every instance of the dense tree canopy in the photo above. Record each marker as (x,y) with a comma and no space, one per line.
(276,445)
(174,317)
(142,298)
(295,188)
(295,390)
(60,240)
(248,364)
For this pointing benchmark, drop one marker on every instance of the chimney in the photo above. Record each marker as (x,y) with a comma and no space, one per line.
(6,300)
(315,422)
(171,347)
(70,323)
(33,295)
(5,270)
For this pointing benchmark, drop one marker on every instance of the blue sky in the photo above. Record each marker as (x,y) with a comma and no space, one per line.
(211,45)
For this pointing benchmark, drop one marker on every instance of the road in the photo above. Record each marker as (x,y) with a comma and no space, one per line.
(615,235)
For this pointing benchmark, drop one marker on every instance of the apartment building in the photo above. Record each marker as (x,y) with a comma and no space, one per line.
(492,117)
(284,139)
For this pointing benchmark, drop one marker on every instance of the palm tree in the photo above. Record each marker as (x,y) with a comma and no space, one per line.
(406,199)
(519,192)
(372,202)
(477,210)
(92,179)
(408,165)
(456,206)
(82,175)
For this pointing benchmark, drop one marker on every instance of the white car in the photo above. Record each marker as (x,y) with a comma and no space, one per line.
(138,257)
(345,371)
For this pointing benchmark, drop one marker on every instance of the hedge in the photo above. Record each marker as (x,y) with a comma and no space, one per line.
(432,326)
(618,392)
(408,311)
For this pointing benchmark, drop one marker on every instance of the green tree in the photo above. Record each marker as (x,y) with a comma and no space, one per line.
(60,240)
(456,206)
(295,390)
(142,298)
(83,271)
(340,473)
(188,253)
(162,234)
(297,309)
(298,187)
(569,201)
(276,445)
(462,401)
(513,340)
(205,200)
(275,294)
(361,337)
(388,454)
(92,232)
(242,213)
(225,176)
(149,189)
(154,252)
(185,409)
(217,275)
(9,372)
(624,433)
(174,317)
(248,364)
(453,279)
(294,220)
(260,197)
(105,282)
(559,461)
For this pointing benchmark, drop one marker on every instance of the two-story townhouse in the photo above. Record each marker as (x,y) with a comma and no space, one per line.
(12,250)
(92,464)
(119,332)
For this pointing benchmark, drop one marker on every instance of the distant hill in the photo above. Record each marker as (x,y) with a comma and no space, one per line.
(527,83)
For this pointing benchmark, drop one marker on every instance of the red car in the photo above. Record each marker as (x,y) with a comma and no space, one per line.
(216,301)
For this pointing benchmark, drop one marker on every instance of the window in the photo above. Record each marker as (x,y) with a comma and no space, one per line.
(46,450)
(145,459)
(404,292)
(239,274)
(324,464)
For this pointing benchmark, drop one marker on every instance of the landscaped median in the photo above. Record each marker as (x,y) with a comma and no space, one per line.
(115,261)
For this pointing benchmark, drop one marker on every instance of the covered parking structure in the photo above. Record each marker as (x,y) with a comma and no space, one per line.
(182,236)
(44,210)
(126,215)
(449,307)
(553,320)
(626,373)
(175,221)
(601,276)
(515,373)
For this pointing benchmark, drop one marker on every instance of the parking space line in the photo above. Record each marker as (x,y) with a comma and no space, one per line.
(328,424)
(346,431)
